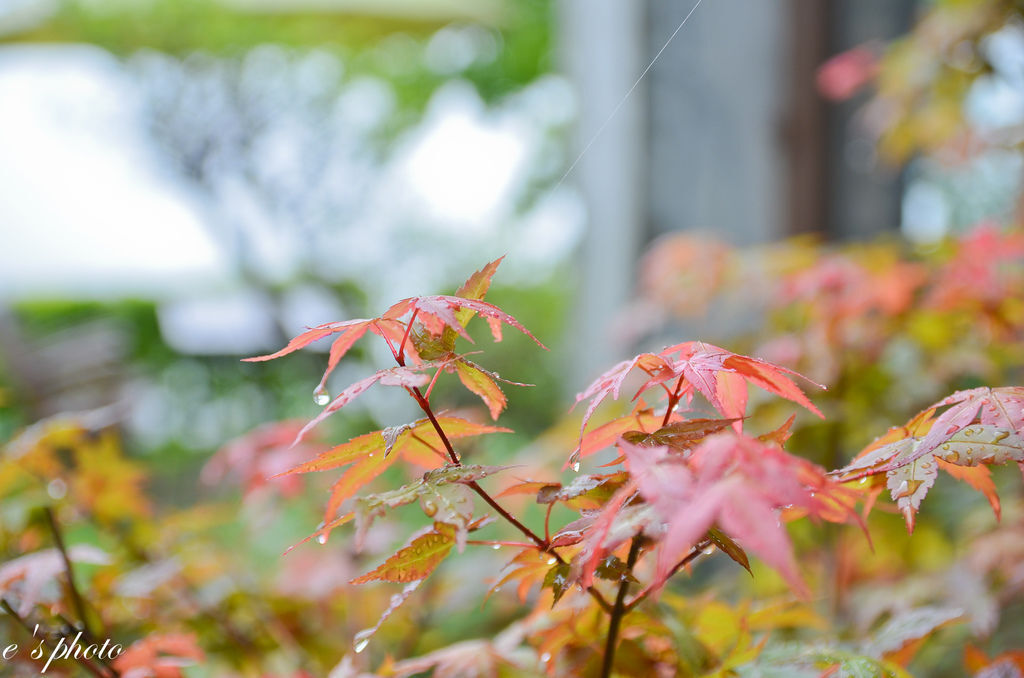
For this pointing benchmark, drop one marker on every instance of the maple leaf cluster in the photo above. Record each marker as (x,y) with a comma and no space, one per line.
(680,475)
(686,484)
(978,428)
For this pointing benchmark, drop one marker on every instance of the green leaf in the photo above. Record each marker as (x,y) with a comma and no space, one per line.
(681,435)
(613,569)
(585,492)
(451,505)
(558,580)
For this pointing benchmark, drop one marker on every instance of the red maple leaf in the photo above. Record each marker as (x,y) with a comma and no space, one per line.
(740,484)
(719,375)
(1001,407)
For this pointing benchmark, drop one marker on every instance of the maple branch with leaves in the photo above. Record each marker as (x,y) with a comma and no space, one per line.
(685,484)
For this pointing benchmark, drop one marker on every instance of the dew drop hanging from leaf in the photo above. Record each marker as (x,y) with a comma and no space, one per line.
(321,397)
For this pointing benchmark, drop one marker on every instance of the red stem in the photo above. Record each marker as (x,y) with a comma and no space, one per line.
(400,356)
(429,446)
(660,383)
(673,400)
(690,557)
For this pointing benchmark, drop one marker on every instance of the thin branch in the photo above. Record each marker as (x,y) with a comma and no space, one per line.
(673,400)
(400,356)
(619,611)
(425,406)
(660,383)
(67,622)
(76,597)
(542,544)
(433,449)
(81,661)
(430,386)
(400,361)
(690,557)
(530,534)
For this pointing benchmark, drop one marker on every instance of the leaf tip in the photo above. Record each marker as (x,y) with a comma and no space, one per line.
(909,517)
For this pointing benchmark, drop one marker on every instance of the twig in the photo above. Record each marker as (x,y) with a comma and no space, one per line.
(81,661)
(541,543)
(76,597)
(408,328)
(619,611)
(67,622)
(673,400)
(690,557)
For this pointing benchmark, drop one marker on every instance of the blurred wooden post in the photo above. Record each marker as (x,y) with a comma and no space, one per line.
(806,119)
(864,197)
(717,97)
(603,43)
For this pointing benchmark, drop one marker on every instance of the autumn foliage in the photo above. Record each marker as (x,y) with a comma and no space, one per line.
(676,455)
(699,511)
(680,486)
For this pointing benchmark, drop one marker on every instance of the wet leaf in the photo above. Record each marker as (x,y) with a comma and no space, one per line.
(557,579)
(730,548)
(417,560)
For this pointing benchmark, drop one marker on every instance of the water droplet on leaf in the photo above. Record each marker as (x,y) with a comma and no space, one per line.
(574,461)
(360,643)
(321,397)
(496,546)
(321,538)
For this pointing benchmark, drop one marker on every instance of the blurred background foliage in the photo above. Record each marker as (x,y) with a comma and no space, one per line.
(302,149)
(293,119)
